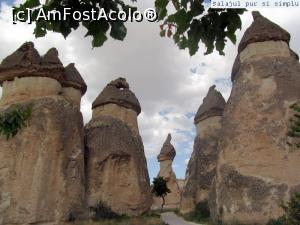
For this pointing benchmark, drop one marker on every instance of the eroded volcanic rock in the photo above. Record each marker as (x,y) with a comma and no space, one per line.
(42,167)
(165,158)
(116,166)
(213,105)
(201,168)
(257,167)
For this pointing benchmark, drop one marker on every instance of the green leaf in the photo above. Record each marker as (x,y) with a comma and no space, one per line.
(99,39)
(220,45)
(183,43)
(184,3)
(197,7)
(96,27)
(162,33)
(183,20)
(64,29)
(118,30)
(176,38)
(39,31)
(32,3)
(161,3)
(161,8)
(231,36)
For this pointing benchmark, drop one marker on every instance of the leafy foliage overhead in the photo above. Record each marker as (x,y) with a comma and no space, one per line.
(14,119)
(188,24)
(97,29)
(191,23)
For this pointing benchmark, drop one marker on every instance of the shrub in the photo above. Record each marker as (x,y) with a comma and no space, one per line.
(203,209)
(200,213)
(294,130)
(14,119)
(279,221)
(292,212)
(102,211)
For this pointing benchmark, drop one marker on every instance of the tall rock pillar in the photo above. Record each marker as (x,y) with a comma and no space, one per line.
(258,164)
(42,167)
(201,168)
(116,169)
(165,159)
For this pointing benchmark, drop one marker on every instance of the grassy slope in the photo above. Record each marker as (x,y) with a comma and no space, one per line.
(139,220)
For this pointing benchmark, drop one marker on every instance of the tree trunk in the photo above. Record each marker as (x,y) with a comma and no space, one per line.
(163,203)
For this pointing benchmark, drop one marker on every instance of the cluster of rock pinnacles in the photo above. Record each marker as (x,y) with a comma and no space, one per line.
(55,169)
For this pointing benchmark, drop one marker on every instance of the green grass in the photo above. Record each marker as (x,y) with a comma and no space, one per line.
(197,219)
(149,219)
(200,214)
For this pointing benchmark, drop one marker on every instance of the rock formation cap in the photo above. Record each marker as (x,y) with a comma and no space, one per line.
(51,57)
(26,62)
(262,30)
(167,151)
(213,105)
(118,92)
(72,78)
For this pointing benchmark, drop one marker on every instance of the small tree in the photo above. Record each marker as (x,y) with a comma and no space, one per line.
(160,189)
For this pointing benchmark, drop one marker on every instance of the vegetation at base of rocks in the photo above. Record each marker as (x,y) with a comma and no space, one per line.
(147,219)
(14,119)
(294,131)
(200,214)
(160,189)
(278,221)
(291,212)
(102,211)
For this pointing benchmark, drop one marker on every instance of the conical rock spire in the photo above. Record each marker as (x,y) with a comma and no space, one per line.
(118,92)
(213,105)
(72,78)
(167,151)
(261,30)
(27,62)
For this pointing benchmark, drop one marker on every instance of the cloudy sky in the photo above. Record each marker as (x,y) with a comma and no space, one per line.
(169,84)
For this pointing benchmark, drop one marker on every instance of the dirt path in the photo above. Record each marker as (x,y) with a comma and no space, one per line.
(171,218)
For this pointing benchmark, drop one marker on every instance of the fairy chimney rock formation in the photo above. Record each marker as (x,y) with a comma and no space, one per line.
(42,167)
(118,101)
(116,167)
(74,86)
(209,112)
(167,151)
(258,161)
(202,164)
(165,159)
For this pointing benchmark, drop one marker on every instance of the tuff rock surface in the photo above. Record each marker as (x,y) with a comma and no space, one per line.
(116,166)
(257,169)
(201,168)
(165,158)
(213,105)
(118,92)
(42,167)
